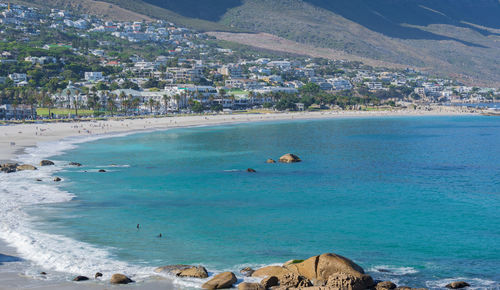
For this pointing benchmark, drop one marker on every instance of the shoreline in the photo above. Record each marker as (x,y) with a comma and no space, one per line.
(27,135)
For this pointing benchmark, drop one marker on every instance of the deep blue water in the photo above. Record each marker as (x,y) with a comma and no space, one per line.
(419,196)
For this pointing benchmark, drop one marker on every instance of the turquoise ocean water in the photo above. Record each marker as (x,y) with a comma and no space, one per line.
(415,200)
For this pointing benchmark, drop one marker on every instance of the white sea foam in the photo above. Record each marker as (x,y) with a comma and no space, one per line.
(50,252)
(395,271)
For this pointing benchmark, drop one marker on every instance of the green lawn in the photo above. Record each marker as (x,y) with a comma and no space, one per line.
(44,112)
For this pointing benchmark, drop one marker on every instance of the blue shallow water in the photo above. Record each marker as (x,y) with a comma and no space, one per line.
(419,196)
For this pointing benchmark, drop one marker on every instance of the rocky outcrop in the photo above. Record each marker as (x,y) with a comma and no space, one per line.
(269,271)
(251,170)
(292,280)
(221,281)
(385,285)
(247,272)
(270,282)
(25,167)
(75,164)
(349,281)
(457,285)
(289,158)
(323,266)
(8,167)
(250,286)
(194,272)
(184,271)
(57,179)
(46,163)
(270,161)
(80,278)
(120,279)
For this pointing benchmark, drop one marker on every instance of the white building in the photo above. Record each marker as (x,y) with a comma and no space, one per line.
(93,76)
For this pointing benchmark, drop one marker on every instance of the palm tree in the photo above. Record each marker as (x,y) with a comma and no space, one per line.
(122,99)
(111,105)
(177,100)
(151,103)
(166,100)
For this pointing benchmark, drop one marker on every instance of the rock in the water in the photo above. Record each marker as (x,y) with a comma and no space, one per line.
(172,269)
(43,273)
(57,179)
(75,164)
(46,163)
(38,179)
(120,279)
(251,170)
(270,282)
(269,271)
(323,266)
(250,286)
(247,272)
(385,285)
(8,167)
(349,281)
(270,161)
(102,170)
(194,272)
(289,158)
(97,275)
(221,281)
(80,278)
(25,167)
(457,285)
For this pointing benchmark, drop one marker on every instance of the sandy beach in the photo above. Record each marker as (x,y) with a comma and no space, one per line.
(15,138)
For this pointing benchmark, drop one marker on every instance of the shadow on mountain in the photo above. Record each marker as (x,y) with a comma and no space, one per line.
(8,259)
(211,10)
(389,16)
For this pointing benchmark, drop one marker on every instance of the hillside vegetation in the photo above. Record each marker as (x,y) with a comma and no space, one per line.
(453,37)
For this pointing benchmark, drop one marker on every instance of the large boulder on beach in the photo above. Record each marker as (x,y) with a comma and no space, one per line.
(457,285)
(349,281)
(221,281)
(323,266)
(250,286)
(120,279)
(289,158)
(293,280)
(194,272)
(172,269)
(25,167)
(269,271)
(46,163)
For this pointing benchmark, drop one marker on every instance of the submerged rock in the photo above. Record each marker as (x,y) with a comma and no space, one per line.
(57,179)
(120,279)
(247,272)
(75,164)
(80,278)
(97,275)
(172,269)
(8,167)
(289,158)
(221,281)
(102,170)
(457,285)
(251,170)
(270,161)
(25,167)
(46,163)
